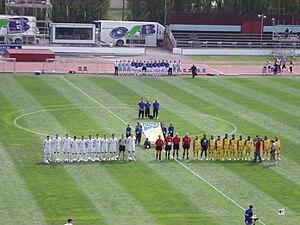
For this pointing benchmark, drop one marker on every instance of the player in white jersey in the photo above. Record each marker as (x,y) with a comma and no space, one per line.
(131,147)
(90,147)
(112,147)
(56,147)
(178,68)
(47,149)
(104,148)
(97,146)
(82,148)
(67,147)
(74,146)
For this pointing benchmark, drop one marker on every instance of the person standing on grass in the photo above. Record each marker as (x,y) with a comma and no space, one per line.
(204,147)
(196,148)
(82,149)
(141,108)
(56,146)
(226,143)
(74,146)
(67,147)
(212,147)
(104,148)
(241,147)
(278,147)
(186,141)
(138,133)
(176,146)
(90,147)
(219,147)
(97,146)
(122,146)
(147,109)
(273,154)
(112,147)
(266,148)
(159,145)
(249,215)
(233,147)
(168,145)
(163,129)
(171,130)
(257,144)
(194,71)
(128,130)
(47,149)
(248,144)
(155,109)
(131,147)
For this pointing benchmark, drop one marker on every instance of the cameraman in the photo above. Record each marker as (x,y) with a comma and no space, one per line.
(249,218)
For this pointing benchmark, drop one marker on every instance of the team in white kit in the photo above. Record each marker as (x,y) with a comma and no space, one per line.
(88,150)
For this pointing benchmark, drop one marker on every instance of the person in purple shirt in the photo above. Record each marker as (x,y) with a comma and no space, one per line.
(171,130)
(155,109)
(141,108)
(249,219)
(128,130)
(147,109)
(138,133)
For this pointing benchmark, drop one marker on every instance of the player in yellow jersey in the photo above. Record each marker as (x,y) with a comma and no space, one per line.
(196,148)
(278,147)
(225,147)
(219,147)
(241,147)
(232,147)
(248,144)
(212,146)
(266,148)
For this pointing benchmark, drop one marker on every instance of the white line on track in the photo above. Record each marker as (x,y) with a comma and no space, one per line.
(180,163)
(208,67)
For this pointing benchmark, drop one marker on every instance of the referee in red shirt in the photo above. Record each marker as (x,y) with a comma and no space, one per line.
(176,142)
(186,141)
(168,145)
(159,145)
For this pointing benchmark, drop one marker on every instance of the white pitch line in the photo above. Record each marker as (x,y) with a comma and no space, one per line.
(94,100)
(180,163)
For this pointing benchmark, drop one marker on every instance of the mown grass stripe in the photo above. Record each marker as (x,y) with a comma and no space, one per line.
(52,188)
(258,94)
(187,114)
(261,120)
(15,198)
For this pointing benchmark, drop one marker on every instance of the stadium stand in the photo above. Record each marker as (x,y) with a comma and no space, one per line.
(190,30)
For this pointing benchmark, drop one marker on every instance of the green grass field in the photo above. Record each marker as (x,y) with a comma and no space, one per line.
(146,191)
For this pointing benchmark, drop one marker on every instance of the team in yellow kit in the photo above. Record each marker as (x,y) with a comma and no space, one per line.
(234,149)
(266,148)
(211,149)
(248,145)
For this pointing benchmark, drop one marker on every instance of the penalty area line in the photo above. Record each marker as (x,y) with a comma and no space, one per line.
(180,163)
(94,100)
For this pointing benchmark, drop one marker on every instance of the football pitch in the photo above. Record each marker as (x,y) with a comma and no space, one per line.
(146,191)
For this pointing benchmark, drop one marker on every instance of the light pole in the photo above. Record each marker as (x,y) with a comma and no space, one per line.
(262,16)
(165,18)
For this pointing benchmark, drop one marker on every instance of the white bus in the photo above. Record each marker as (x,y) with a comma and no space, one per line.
(130,33)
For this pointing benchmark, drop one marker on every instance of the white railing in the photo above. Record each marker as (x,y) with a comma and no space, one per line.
(171,36)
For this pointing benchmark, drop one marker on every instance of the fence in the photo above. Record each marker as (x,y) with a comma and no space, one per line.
(7,65)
